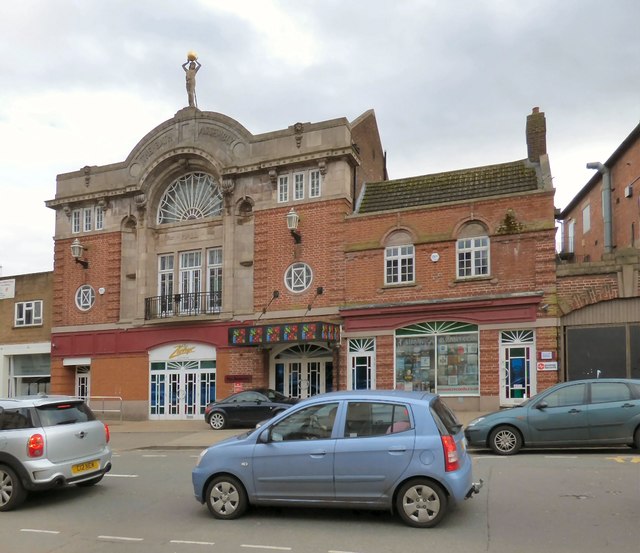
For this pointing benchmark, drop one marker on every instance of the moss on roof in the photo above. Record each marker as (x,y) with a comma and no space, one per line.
(503,179)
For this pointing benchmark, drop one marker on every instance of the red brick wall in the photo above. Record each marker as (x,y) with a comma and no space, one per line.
(103,253)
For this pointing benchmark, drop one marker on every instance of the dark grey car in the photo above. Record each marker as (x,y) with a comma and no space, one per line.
(49,441)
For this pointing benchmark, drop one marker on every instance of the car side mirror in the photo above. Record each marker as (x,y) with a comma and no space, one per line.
(264,437)
(542,405)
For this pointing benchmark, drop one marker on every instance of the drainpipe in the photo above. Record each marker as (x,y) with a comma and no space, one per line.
(606,202)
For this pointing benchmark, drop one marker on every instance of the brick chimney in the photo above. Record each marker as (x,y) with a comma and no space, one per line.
(536,135)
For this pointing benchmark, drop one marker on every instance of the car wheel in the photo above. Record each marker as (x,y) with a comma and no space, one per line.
(421,503)
(217,421)
(226,498)
(12,492)
(89,483)
(636,438)
(505,440)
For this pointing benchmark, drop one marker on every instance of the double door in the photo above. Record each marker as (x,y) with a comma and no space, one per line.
(180,393)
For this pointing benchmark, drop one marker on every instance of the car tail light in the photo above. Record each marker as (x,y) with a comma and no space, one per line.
(107,432)
(451,459)
(35,445)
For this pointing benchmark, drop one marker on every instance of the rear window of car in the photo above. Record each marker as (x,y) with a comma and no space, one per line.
(446,420)
(15,419)
(64,413)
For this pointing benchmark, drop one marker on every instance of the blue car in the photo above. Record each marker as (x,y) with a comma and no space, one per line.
(593,412)
(379,450)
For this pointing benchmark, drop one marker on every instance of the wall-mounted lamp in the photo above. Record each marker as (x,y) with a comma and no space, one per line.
(292,224)
(77,250)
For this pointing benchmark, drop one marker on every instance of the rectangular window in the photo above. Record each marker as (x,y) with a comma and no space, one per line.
(29,313)
(99,218)
(473,257)
(586,218)
(165,283)
(314,184)
(283,188)
(75,221)
(571,236)
(298,186)
(190,282)
(214,282)
(399,263)
(86,219)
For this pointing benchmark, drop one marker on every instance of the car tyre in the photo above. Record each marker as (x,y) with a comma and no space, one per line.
(421,503)
(505,440)
(226,498)
(217,421)
(12,492)
(636,438)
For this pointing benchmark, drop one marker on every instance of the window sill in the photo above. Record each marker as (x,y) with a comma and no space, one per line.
(488,278)
(399,285)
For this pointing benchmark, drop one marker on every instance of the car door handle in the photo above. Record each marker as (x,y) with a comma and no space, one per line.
(628,405)
(573,411)
(318,453)
(397,449)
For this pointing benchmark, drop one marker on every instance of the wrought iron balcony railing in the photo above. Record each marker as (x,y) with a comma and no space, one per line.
(178,305)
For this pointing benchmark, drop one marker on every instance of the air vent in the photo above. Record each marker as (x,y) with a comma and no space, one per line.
(628,191)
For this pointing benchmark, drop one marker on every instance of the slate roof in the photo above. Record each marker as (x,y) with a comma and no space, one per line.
(466,184)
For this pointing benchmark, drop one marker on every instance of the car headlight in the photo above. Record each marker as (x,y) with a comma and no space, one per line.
(475,421)
(202,454)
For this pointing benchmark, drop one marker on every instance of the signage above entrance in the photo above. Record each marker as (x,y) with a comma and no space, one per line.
(284,333)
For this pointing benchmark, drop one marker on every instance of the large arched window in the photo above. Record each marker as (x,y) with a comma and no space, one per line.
(192,196)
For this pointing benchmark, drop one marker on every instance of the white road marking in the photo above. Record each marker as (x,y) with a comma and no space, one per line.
(121,475)
(119,538)
(193,542)
(272,547)
(154,455)
(35,531)
(560,456)
(338,551)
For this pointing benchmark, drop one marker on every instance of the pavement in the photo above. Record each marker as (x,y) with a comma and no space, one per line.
(185,434)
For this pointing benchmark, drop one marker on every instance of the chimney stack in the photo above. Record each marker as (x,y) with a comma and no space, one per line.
(536,135)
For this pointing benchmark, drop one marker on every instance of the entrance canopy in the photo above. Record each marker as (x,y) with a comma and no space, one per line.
(284,333)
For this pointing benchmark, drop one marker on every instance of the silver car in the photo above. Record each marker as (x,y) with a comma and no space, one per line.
(49,441)
(387,450)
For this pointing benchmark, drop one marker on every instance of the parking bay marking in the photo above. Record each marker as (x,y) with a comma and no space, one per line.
(272,547)
(189,542)
(624,458)
(36,531)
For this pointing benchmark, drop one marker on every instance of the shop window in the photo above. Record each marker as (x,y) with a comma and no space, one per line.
(439,356)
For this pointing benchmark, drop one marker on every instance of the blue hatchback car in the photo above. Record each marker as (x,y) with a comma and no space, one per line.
(378,450)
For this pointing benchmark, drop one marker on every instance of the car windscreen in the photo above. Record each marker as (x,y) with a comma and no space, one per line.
(446,420)
(64,413)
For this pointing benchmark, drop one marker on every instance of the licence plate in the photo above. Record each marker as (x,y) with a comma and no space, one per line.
(85,467)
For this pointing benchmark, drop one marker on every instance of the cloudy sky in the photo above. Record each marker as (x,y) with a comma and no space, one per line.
(451,82)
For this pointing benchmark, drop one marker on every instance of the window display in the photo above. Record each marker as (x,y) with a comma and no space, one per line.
(446,364)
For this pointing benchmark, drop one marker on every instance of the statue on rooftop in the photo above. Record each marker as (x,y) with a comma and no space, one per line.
(191,67)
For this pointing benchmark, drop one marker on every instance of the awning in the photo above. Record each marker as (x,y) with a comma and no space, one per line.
(284,334)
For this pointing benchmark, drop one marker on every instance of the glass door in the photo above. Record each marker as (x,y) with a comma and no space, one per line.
(190,282)
(516,348)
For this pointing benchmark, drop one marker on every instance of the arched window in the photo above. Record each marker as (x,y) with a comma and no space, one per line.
(472,250)
(192,196)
